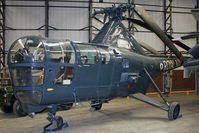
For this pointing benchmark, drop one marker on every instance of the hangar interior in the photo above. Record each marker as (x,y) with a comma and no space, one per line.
(71,20)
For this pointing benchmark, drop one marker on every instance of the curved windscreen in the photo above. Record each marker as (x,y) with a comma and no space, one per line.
(27,49)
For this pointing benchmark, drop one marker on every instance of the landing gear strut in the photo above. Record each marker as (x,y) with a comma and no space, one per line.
(56,122)
(173,109)
(95,106)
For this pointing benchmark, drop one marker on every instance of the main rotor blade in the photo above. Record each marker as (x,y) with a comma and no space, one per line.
(144,25)
(139,22)
(146,46)
(156,29)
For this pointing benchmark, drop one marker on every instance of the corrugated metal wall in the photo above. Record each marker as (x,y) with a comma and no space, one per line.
(184,22)
(158,17)
(68,18)
(23,18)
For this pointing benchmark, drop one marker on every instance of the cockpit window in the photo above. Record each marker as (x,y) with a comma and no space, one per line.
(28,76)
(28,49)
(61,52)
(88,54)
(64,76)
(105,56)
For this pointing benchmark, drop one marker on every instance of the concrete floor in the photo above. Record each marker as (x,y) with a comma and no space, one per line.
(118,116)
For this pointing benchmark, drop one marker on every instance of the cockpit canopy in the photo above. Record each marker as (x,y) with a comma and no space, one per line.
(34,48)
(27,57)
(60,52)
(27,49)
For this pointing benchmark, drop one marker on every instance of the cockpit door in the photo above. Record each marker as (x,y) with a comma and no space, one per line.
(87,72)
(59,71)
(105,73)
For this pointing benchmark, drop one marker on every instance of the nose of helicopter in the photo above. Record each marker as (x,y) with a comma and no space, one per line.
(26,49)
(36,64)
(23,58)
(30,97)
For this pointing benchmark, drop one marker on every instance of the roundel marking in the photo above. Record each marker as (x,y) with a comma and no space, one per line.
(161,66)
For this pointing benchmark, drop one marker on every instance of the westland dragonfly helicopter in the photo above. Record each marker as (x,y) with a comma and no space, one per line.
(46,73)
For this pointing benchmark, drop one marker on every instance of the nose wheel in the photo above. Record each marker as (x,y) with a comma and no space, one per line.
(56,122)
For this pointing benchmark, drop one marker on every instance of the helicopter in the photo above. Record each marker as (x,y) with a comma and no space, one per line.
(46,73)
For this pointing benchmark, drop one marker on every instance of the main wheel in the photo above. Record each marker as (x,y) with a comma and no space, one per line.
(174,110)
(66,106)
(96,106)
(17,109)
(6,109)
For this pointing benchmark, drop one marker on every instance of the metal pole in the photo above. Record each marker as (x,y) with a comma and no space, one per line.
(170,13)
(46,17)
(90,21)
(4,54)
(167,76)
(131,15)
(2,34)
(165,15)
(197,72)
(197,82)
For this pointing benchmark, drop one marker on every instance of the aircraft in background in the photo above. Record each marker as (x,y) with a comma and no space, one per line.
(193,65)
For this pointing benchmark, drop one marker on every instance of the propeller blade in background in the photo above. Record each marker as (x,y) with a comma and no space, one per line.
(186,37)
(178,43)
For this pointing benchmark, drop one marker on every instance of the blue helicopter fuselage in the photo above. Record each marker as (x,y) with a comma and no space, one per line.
(48,72)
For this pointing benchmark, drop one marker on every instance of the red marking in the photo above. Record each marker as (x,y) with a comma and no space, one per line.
(128,86)
(176,42)
(4,100)
(181,59)
(161,66)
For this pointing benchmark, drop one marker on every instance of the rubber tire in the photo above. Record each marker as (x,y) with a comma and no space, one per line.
(18,110)
(97,106)
(66,106)
(59,121)
(6,109)
(174,110)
